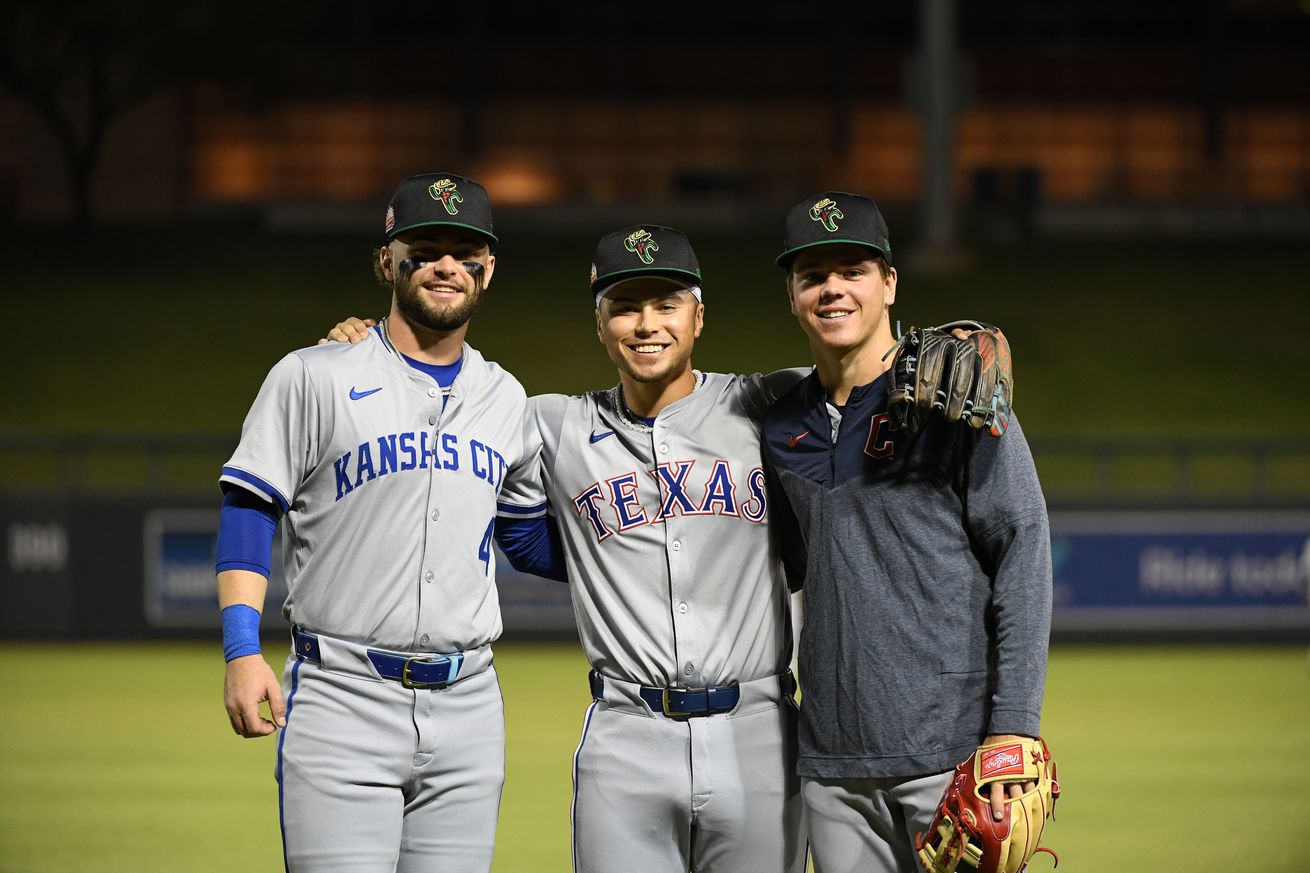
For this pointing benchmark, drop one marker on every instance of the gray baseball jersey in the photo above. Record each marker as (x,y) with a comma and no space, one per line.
(389,497)
(676,581)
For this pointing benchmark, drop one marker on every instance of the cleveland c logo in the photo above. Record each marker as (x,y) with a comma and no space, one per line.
(642,245)
(826,213)
(444,193)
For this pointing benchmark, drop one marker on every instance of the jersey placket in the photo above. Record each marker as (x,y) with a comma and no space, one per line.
(687,649)
(430,606)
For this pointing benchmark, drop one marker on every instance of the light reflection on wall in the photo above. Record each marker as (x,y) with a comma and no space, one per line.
(599,152)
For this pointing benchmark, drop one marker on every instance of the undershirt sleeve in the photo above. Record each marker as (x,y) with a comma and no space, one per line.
(246,527)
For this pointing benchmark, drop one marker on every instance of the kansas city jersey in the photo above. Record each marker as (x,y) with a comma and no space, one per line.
(675,577)
(389,498)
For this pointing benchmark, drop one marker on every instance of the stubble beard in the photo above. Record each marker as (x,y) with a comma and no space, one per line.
(410,302)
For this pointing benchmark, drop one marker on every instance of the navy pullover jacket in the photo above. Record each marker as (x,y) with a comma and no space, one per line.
(926,567)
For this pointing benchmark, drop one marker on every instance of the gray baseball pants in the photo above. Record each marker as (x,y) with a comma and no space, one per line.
(869,825)
(710,794)
(374,776)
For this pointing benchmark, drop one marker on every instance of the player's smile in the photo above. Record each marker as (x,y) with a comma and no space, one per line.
(649,327)
(839,295)
(439,276)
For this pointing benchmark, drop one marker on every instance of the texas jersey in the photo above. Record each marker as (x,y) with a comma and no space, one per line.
(389,491)
(675,577)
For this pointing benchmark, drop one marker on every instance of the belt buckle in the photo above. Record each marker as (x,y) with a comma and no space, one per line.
(410,682)
(664,700)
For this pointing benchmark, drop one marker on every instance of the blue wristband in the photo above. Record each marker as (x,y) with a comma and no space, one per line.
(240,631)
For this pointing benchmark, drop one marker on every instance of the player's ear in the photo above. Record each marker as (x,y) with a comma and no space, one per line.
(384,263)
(889,287)
(491,268)
(791,295)
(700,319)
(600,334)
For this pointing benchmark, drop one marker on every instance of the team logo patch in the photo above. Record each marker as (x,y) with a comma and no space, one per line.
(443,191)
(1001,761)
(886,246)
(642,245)
(391,219)
(593,273)
(826,213)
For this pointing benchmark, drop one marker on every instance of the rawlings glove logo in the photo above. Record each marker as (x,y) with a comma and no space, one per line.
(1001,761)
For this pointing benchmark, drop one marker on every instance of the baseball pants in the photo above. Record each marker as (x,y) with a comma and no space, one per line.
(710,794)
(374,776)
(869,825)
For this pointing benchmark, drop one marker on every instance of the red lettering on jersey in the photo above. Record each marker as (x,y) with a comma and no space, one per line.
(880,444)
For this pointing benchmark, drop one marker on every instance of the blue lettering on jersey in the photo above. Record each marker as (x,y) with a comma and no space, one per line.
(407,449)
(757,506)
(619,496)
(365,465)
(487,463)
(401,453)
(673,479)
(586,504)
(719,491)
(623,494)
(341,465)
(450,446)
(386,454)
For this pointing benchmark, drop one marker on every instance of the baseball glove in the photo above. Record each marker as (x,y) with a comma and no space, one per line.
(964,834)
(969,379)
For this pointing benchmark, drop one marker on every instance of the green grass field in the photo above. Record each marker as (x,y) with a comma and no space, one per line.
(119,758)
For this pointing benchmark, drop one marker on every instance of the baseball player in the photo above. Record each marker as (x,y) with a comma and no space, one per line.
(383,462)
(925,557)
(657,484)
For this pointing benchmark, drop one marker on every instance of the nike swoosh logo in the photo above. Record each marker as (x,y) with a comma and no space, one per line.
(360,395)
(800,436)
(595,437)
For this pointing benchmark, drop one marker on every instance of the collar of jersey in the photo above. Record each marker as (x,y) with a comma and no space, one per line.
(630,420)
(468,371)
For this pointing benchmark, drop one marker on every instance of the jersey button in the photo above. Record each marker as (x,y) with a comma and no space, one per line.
(689,669)
(432,419)
(423,640)
(436,514)
(664,448)
(682,607)
(677,545)
(429,576)
(432,392)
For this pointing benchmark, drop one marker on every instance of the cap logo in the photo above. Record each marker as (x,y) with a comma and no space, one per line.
(826,213)
(594,274)
(642,245)
(443,191)
(391,219)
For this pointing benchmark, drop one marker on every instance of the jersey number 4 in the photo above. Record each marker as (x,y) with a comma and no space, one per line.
(484,550)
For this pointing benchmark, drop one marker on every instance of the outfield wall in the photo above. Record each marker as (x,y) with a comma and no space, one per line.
(126,567)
